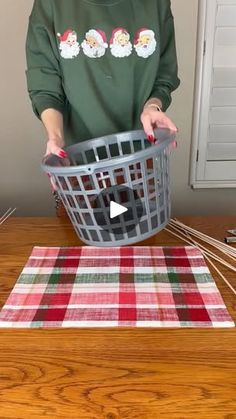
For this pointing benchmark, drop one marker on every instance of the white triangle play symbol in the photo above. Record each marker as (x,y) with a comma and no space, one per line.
(116,209)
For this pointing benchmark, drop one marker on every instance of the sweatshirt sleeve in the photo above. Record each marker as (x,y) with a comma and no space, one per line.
(43,75)
(167,76)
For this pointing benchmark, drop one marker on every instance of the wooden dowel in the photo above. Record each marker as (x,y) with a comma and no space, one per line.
(221,275)
(202,238)
(230,254)
(6,216)
(205,253)
(217,243)
(208,258)
(209,252)
(205,236)
(211,239)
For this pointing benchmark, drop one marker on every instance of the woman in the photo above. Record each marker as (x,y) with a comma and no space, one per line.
(97,67)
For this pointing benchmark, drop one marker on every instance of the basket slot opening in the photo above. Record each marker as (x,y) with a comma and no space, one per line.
(118,234)
(92,201)
(126,148)
(78,218)
(114,150)
(119,176)
(102,153)
(74,183)
(137,145)
(105,236)
(149,164)
(71,201)
(62,183)
(84,234)
(154,222)
(81,201)
(153,207)
(87,218)
(90,156)
(162,216)
(87,182)
(103,179)
(128,216)
(161,199)
(143,227)
(138,191)
(146,144)
(100,218)
(135,171)
(132,232)
(94,235)
(151,185)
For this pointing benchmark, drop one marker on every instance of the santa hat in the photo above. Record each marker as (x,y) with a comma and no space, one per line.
(142,32)
(64,37)
(116,32)
(99,35)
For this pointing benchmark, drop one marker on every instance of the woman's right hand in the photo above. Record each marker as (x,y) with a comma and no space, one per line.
(53,122)
(55,146)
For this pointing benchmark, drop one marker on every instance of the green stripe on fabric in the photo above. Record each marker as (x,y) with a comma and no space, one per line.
(151,278)
(97,278)
(33,279)
(54,279)
(173,277)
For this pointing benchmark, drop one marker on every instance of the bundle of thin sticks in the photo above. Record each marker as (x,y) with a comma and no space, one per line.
(6,215)
(200,240)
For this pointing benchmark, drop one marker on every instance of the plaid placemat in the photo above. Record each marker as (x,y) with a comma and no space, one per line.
(128,286)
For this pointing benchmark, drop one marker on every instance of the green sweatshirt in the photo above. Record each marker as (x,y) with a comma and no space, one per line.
(99,61)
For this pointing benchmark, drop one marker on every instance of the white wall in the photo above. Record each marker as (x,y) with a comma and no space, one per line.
(22,139)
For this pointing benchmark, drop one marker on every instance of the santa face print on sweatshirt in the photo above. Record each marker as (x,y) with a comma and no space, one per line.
(69,46)
(145,43)
(120,44)
(95,43)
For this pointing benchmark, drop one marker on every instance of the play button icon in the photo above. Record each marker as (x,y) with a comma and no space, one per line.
(116,209)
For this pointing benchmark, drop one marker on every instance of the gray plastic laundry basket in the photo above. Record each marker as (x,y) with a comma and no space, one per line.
(94,168)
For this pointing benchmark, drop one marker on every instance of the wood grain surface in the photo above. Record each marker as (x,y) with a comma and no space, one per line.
(112,373)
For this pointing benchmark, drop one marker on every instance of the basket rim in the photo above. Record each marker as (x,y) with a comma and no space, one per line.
(90,168)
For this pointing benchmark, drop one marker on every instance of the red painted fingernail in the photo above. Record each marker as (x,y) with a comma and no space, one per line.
(152,139)
(63,154)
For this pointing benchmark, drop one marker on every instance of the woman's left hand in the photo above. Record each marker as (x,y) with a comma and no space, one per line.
(151,119)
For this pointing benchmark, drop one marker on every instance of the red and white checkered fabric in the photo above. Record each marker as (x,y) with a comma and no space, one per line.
(127,286)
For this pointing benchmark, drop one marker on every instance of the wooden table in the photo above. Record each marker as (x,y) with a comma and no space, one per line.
(112,373)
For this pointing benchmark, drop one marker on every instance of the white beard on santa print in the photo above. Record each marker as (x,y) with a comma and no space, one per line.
(93,52)
(145,51)
(69,51)
(120,51)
